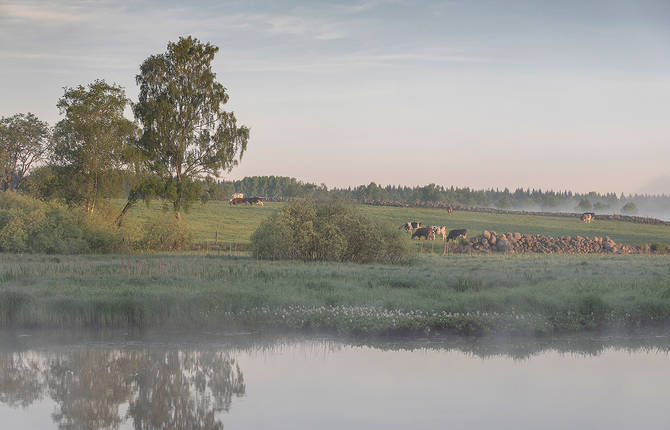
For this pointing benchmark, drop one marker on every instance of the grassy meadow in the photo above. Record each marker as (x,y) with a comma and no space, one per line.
(235,224)
(455,293)
(463,294)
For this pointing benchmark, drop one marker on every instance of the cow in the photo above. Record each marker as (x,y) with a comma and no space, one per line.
(441,230)
(587,217)
(450,209)
(455,234)
(254,201)
(237,201)
(410,225)
(237,196)
(426,232)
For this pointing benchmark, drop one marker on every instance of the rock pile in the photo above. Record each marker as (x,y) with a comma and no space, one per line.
(523,243)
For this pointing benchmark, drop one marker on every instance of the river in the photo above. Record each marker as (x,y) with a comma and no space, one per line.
(211,380)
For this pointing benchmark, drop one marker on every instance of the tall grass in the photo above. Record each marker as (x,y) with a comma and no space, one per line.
(464,294)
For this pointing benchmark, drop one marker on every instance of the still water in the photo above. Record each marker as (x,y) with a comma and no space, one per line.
(244,381)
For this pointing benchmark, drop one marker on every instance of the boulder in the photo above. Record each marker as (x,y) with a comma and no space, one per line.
(503,245)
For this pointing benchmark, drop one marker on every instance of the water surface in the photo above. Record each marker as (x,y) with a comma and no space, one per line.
(244,381)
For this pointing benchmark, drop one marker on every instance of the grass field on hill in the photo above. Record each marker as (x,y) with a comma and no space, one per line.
(235,224)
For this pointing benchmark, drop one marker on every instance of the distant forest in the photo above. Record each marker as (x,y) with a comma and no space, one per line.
(519,199)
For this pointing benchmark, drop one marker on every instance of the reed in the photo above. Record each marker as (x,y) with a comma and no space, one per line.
(465,294)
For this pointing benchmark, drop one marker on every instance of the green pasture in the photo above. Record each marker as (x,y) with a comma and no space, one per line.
(235,224)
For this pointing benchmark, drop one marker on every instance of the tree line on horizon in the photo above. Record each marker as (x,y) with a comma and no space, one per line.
(285,187)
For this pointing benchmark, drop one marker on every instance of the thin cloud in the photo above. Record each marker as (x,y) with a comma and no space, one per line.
(338,63)
(304,26)
(43,12)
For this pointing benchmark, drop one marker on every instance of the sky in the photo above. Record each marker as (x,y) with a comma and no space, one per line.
(562,95)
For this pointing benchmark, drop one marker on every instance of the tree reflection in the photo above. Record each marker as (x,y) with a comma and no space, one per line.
(21,379)
(95,388)
(185,390)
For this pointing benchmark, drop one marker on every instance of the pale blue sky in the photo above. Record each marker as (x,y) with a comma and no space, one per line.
(562,95)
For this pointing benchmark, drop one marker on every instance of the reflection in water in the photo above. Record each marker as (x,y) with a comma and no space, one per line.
(167,381)
(92,387)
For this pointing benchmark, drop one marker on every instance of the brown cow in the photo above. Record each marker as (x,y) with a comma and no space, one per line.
(455,234)
(587,217)
(236,201)
(426,232)
(441,230)
(450,209)
(254,201)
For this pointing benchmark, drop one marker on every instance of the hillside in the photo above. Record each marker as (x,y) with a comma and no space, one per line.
(236,223)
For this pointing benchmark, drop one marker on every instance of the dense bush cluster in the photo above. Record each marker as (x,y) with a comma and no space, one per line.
(29,225)
(330,230)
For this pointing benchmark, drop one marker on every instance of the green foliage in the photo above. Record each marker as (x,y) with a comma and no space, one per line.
(326,231)
(29,225)
(166,233)
(90,142)
(186,133)
(23,142)
(584,205)
(549,201)
(504,203)
(629,208)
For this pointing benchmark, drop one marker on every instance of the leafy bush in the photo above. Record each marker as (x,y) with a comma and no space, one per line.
(30,225)
(166,233)
(327,230)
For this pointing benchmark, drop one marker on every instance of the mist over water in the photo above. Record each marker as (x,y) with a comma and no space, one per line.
(207,381)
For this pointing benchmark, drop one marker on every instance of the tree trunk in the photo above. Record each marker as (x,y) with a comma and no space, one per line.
(177,203)
(129,204)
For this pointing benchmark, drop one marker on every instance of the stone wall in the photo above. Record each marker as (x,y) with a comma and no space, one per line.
(536,243)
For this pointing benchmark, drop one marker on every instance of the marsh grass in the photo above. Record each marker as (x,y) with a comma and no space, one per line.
(461,293)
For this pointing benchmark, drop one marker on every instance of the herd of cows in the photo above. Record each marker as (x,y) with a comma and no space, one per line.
(430,232)
(239,199)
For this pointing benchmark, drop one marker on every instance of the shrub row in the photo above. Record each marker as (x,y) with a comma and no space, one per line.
(30,225)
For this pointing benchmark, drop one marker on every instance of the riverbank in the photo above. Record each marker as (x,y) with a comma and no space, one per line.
(460,294)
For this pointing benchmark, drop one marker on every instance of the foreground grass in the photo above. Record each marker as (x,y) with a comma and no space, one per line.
(540,294)
(234,224)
